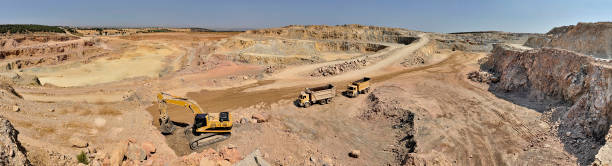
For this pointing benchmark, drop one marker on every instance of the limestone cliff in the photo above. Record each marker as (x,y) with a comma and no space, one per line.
(588,38)
(581,83)
(580,80)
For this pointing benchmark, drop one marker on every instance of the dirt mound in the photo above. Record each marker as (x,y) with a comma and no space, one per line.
(580,84)
(11,153)
(588,38)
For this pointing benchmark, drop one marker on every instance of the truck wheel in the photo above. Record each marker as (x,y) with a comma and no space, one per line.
(323,102)
(367,90)
(307,104)
(327,101)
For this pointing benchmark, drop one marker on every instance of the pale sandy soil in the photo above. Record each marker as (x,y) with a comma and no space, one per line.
(143,59)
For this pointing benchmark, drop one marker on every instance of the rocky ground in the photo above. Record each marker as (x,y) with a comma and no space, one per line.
(437,99)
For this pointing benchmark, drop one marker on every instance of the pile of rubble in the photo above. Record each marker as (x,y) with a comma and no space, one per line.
(482,77)
(336,69)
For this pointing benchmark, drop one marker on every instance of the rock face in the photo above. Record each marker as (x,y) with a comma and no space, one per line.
(308,44)
(478,41)
(34,50)
(581,84)
(604,156)
(588,38)
(566,75)
(11,151)
(342,32)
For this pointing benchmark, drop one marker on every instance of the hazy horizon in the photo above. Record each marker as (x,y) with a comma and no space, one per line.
(430,16)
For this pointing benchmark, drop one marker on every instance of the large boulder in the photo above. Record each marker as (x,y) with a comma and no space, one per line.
(135,153)
(11,151)
(149,147)
(255,158)
(118,153)
(260,118)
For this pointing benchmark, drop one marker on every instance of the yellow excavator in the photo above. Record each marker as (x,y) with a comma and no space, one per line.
(205,130)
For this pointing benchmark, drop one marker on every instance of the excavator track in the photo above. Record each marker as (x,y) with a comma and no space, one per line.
(203,139)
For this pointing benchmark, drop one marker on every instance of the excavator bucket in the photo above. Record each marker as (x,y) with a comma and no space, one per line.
(166,127)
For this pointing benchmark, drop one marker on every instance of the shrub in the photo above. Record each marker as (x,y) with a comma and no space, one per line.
(82,158)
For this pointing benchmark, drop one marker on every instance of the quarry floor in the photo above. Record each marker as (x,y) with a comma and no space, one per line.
(458,122)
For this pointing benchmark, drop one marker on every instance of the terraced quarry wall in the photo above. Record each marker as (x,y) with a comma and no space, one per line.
(23,52)
(588,38)
(308,44)
(479,41)
(343,32)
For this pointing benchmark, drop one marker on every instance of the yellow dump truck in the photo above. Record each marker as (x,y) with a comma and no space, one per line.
(357,87)
(321,95)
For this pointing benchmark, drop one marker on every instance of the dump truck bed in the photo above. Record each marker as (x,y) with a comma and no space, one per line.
(362,84)
(322,92)
(364,79)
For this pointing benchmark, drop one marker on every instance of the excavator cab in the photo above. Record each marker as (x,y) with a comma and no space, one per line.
(200,121)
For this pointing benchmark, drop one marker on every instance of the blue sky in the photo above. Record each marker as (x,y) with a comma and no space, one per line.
(431,15)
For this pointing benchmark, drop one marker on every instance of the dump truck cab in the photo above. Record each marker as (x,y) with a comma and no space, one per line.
(357,87)
(304,99)
(352,90)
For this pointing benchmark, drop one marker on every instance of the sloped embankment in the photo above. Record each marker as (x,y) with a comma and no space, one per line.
(581,84)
